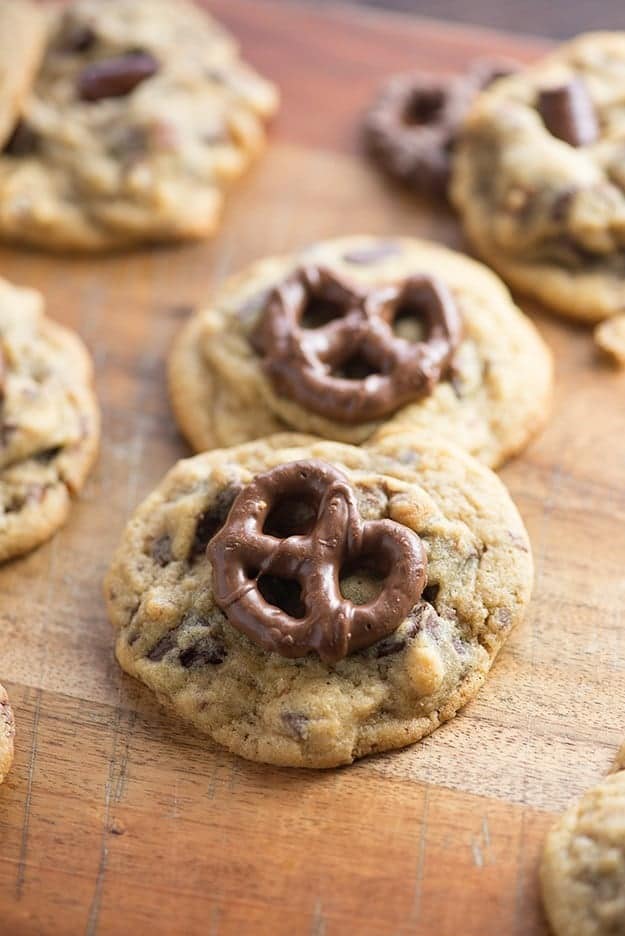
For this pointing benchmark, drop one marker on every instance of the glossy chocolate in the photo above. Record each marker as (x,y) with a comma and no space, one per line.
(278,559)
(332,347)
(569,113)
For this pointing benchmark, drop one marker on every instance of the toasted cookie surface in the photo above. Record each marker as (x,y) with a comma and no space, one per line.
(7,734)
(538,178)
(49,421)
(139,117)
(172,635)
(493,397)
(583,865)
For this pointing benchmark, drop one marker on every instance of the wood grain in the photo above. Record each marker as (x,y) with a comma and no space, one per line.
(116,819)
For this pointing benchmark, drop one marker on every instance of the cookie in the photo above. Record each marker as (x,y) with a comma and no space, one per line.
(306,602)
(49,421)
(583,864)
(412,128)
(538,178)
(357,336)
(140,117)
(610,338)
(23,28)
(7,734)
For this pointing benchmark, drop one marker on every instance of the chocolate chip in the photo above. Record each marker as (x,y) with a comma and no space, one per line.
(78,38)
(31,494)
(297,724)
(460,646)
(206,651)
(389,646)
(22,142)
(115,77)
(503,616)
(562,203)
(365,255)
(398,642)
(161,550)
(163,647)
(7,431)
(213,519)
(128,143)
(569,113)
(48,455)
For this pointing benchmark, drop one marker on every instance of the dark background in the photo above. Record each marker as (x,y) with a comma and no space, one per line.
(558,19)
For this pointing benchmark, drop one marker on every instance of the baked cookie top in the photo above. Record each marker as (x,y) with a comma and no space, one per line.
(7,734)
(49,421)
(303,710)
(583,865)
(539,177)
(426,330)
(23,31)
(140,115)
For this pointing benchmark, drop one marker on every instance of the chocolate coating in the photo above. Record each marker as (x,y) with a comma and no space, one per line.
(287,538)
(332,347)
(569,114)
(412,127)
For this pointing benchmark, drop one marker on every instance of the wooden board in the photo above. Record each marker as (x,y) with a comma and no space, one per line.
(116,819)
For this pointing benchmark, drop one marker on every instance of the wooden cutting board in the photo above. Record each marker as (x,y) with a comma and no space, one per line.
(117,819)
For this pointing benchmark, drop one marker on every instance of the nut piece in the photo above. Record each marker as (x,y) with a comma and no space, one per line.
(610,338)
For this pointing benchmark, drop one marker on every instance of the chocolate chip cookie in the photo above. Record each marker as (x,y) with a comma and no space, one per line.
(358,336)
(539,180)
(306,603)
(138,118)
(49,421)
(583,865)
(7,734)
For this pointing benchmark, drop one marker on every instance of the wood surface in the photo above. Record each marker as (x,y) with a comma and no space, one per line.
(117,819)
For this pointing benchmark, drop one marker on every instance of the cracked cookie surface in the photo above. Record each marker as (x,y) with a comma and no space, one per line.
(49,421)
(302,712)
(583,865)
(496,396)
(7,734)
(140,116)
(538,177)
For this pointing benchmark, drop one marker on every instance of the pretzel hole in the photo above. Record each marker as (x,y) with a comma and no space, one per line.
(285,594)
(362,581)
(356,367)
(320,310)
(424,106)
(292,516)
(410,320)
